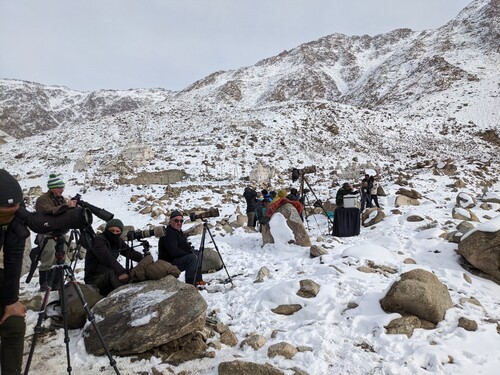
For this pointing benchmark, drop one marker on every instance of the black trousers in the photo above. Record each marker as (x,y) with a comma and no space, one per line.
(11,340)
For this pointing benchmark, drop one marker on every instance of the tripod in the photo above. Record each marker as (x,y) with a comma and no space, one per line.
(199,262)
(303,193)
(63,270)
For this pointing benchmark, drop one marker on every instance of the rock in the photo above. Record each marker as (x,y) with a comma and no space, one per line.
(228,338)
(413,194)
(372,216)
(282,348)
(465,200)
(406,324)
(418,293)
(212,261)
(239,367)
(287,309)
(414,218)
(147,315)
(255,341)
(467,324)
(317,251)
(402,200)
(481,248)
(262,275)
(294,222)
(308,289)
(409,261)
(463,214)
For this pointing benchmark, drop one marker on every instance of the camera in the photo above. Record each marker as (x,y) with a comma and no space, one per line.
(151,231)
(296,173)
(212,212)
(62,221)
(101,213)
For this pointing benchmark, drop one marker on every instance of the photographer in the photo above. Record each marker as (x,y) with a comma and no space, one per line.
(174,248)
(50,203)
(102,268)
(12,312)
(346,189)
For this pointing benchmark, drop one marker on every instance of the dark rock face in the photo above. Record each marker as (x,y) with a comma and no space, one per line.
(138,317)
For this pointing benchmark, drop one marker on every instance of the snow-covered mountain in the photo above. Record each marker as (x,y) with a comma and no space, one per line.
(419,108)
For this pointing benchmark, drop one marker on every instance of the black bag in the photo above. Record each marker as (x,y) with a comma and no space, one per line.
(76,314)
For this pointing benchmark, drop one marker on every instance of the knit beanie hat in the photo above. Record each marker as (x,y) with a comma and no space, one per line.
(55,181)
(175,213)
(10,190)
(282,193)
(114,223)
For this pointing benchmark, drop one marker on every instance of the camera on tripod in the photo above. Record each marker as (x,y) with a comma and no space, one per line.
(297,173)
(101,213)
(212,212)
(61,221)
(138,234)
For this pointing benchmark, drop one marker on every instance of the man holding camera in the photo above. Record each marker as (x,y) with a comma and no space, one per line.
(102,268)
(12,312)
(174,248)
(50,203)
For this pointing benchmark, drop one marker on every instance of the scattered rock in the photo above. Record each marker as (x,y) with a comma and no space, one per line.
(467,324)
(283,349)
(286,309)
(308,289)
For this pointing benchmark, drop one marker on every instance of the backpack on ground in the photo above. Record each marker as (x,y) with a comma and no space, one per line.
(76,314)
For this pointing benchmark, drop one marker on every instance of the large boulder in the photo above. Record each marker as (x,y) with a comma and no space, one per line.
(294,222)
(212,261)
(418,293)
(138,317)
(481,247)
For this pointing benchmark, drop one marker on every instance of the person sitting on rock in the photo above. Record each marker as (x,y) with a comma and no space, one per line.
(174,248)
(102,268)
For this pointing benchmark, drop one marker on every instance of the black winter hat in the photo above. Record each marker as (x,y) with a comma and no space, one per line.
(114,223)
(175,213)
(10,190)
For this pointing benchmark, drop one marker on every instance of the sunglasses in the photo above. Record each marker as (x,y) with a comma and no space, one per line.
(177,220)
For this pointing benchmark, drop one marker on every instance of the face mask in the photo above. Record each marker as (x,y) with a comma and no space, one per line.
(113,238)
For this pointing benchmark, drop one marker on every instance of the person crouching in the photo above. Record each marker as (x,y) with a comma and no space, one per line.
(102,268)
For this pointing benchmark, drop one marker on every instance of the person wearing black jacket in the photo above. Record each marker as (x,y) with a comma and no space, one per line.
(250,196)
(102,268)
(12,312)
(174,248)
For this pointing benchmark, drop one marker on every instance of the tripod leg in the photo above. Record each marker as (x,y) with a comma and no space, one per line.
(64,312)
(90,317)
(41,317)
(199,260)
(220,256)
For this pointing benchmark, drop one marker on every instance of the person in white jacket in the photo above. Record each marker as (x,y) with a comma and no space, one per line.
(375,184)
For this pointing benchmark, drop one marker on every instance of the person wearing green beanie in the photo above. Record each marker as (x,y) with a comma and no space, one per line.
(49,203)
(102,268)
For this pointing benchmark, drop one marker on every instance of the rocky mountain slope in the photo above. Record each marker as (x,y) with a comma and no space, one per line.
(379,100)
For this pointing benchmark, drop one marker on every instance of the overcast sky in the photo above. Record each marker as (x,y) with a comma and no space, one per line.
(122,44)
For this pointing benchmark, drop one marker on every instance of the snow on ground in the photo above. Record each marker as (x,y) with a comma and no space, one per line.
(344,340)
